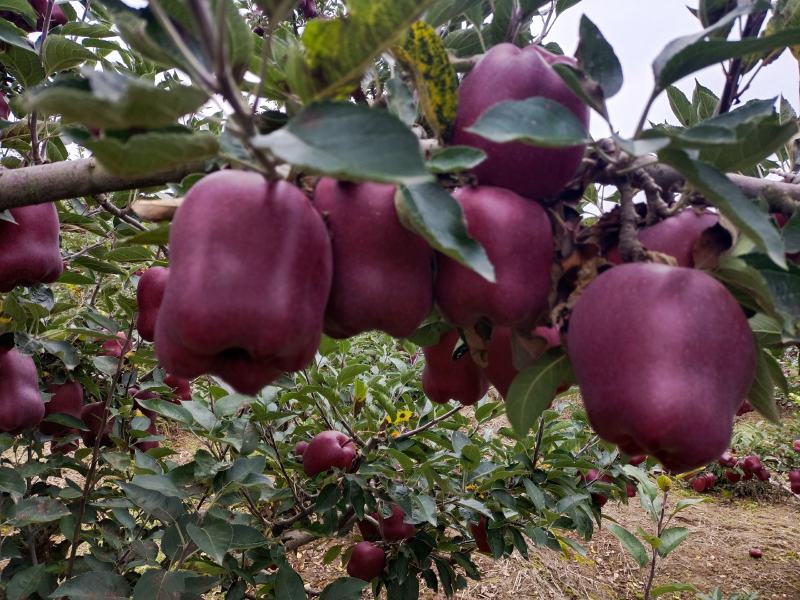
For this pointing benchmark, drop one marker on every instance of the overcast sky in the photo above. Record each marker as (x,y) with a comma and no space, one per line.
(638,30)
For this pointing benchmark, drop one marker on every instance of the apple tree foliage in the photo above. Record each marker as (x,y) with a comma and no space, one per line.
(183,497)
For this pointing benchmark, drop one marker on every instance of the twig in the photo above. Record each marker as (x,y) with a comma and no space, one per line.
(630,248)
(651,577)
(119,213)
(429,424)
(89,483)
(289,480)
(537,448)
(731,92)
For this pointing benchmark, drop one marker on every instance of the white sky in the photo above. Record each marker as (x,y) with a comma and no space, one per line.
(638,30)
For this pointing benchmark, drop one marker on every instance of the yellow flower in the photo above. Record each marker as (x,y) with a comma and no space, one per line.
(388,419)
(395,434)
(404,416)
(471,488)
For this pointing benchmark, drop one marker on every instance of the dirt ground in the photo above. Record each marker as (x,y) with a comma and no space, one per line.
(716,554)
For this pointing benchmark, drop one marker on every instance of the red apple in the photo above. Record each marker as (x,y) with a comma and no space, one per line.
(149,293)
(733,476)
(182,388)
(796,445)
(300,448)
(369,531)
(711,480)
(727,459)
(675,236)
(393,528)
(795,486)
(756,553)
(367,561)
(763,475)
(745,408)
(117,346)
(794,475)
(67,399)
(91,415)
(637,459)
(509,73)
(664,356)
(327,450)
(630,489)
(517,236)
(752,464)
(445,378)
(480,532)
(699,484)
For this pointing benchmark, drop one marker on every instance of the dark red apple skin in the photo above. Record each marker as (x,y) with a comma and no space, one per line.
(67,398)
(637,459)
(711,480)
(29,251)
(763,475)
(727,460)
(182,388)
(796,445)
(663,356)
(745,408)
(675,236)
(794,475)
(57,17)
(21,406)
(300,448)
(57,447)
(733,476)
(393,529)
(445,379)
(259,257)
(752,464)
(756,552)
(795,487)
(116,347)
(367,561)
(630,490)
(510,73)
(5,109)
(517,237)
(480,532)
(382,272)
(699,484)
(149,293)
(327,450)
(308,8)
(91,415)
(370,532)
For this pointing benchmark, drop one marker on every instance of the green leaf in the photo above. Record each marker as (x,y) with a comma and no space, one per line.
(95,585)
(533,389)
(741,138)
(60,54)
(344,588)
(157,584)
(681,106)
(687,503)
(25,582)
(24,64)
(692,53)
(327,498)
(784,289)
(762,392)
(11,34)
(436,216)
(111,100)
(339,51)
(11,481)
(455,159)
(704,101)
(20,7)
(168,409)
(598,59)
(478,507)
(289,585)
(157,236)
(214,537)
(350,142)
(535,121)
(630,542)
(443,11)
(671,538)
(152,152)
(722,193)
(154,503)
(38,509)
(158,483)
